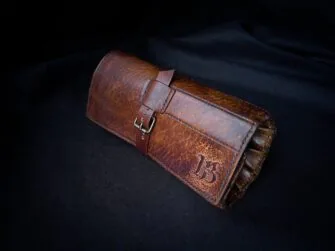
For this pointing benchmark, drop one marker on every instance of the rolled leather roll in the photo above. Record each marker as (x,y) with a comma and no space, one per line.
(213,142)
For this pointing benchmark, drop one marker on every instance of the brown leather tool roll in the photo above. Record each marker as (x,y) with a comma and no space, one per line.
(213,142)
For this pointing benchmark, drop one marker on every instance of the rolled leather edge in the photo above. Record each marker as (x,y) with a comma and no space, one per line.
(251,163)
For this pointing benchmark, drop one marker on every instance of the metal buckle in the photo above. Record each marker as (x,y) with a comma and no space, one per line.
(140,126)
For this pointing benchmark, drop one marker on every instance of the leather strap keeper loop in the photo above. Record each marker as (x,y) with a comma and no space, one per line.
(155,99)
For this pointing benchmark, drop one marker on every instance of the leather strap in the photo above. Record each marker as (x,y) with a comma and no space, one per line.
(165,77)
(145,116)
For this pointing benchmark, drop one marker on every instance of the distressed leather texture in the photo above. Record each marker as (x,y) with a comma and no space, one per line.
(213,142)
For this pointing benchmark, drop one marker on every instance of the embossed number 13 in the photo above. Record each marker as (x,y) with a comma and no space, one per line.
(206,170)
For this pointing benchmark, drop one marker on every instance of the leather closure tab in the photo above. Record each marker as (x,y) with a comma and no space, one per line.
(165,77)
(156,97)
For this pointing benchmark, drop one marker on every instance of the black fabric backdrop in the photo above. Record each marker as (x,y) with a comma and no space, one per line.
(70,185)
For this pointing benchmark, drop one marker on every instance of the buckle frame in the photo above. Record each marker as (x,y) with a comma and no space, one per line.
(145,130)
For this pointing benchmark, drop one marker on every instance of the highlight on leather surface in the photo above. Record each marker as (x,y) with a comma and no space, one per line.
(213,142)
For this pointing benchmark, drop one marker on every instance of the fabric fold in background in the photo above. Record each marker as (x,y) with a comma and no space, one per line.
(253,57)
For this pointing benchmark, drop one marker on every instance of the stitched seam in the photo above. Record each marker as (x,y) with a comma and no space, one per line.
(222,190)
(260,164)
(203,134)
(227,177)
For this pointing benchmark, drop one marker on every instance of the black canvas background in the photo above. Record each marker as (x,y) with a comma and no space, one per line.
(70,185)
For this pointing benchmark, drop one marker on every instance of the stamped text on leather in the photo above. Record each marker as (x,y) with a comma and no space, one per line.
(206,169)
